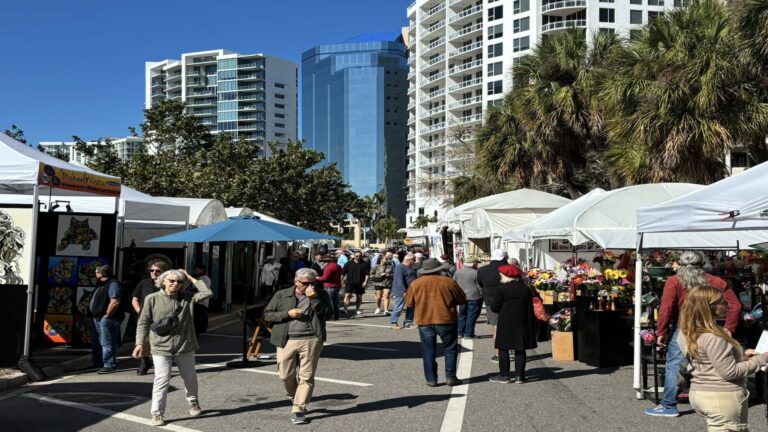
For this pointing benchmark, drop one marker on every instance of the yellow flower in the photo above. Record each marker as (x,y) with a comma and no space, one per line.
(610,274)
(622,273)
(544,276)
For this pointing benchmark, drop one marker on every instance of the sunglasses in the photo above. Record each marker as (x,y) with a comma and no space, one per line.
(155,271)
(175,281)
(305,283)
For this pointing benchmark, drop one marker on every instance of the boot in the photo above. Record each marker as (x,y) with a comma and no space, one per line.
(143,366)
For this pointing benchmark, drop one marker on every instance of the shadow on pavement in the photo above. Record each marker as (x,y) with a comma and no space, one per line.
(352,350)
(398,402)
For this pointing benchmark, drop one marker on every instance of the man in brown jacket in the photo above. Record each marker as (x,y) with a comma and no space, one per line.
(436,299)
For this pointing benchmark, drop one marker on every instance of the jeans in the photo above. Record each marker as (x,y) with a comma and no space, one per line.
(399,306)
(109,337)
(448,336)
(163,365)
(333,293)
(468,315)
(674,360)
(97,356)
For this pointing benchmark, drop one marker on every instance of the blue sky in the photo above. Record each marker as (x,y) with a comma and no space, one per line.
(76,67)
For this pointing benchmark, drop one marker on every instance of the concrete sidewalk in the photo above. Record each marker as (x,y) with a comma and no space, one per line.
(57,361)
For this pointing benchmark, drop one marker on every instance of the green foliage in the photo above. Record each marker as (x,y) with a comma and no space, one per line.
(423,221)
(16,133)
(386,228)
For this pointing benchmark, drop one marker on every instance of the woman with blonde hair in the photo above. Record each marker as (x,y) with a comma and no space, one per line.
(718,365)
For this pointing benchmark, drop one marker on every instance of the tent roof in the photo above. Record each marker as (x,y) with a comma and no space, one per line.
(520,199)
(607,218)
(739,202)
(238,211)
(20,167)
(202,211)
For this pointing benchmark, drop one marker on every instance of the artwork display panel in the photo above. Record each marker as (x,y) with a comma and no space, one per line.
(78,235)
(15,244)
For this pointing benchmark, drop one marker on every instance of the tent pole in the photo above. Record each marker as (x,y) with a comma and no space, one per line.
(638,311)
(31,272)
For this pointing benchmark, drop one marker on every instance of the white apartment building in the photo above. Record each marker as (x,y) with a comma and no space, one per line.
(252,96)
(460,55)
(125,148)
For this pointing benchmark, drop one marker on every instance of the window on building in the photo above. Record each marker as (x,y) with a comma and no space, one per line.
(279,134)
(607,1)
(494,87)
(495,13)
(635,34)
(280,125)
(278,115)
(496,31)
(521,44)
(278,85)
(521,25)
(607,15)
(279,96)
(635,17)
(495,69)
(739,160)
(655,2)
(495,50)
(519,6)
(607,31)
(280,106)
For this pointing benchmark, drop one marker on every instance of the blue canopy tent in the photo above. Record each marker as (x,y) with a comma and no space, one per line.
(243,228)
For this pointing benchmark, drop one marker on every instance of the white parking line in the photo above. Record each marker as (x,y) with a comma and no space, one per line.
(258,371)
(454,413)
(105,412)
(345,323)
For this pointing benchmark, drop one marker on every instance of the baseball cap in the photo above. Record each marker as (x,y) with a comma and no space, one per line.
(497,255)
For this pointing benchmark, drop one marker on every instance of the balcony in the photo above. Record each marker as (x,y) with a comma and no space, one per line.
(256,87)
(559,25)
(410,166)
(465,102)
(432,128)
(453,2)
(411,150)
(466,14)
(411,74)
(410,182)
(202,93)
(412,8)
(430,145)
(251,65)
(411,60)
(433,111)
(411,88)
(469,119)
(252,107)
(465,66)
(258,98)
(433,78)
(563,8)
(433,45)
(433,28)
(202,102)
(466,49)
(433,62)
(432,161)
(456,36)
(410,197)
(250,77)
(411,105)
(466,84)
(251,117)
(433,12)
(434,94)
(412,26)
(411,120)
(411,135)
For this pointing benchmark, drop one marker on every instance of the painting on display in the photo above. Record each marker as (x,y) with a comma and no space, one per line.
(15,244)
(58,328)
(60,300)
(83,299)
(83,329)
(62,271)
(86,270)
(78,235)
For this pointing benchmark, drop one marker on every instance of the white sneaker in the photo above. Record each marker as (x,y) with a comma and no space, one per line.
(359,312)
(157,420)
(377,311)
(386,312)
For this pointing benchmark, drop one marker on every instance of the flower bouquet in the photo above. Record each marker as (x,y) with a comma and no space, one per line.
(561,320)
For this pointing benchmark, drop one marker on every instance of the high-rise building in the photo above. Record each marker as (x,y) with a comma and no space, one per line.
(125,148)
(461,53)
(251,96)
(354,109)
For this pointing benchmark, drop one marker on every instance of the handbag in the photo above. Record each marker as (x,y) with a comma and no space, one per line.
(166,325)
(539,311)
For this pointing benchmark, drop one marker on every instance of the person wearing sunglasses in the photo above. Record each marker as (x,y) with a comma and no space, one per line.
(298,319)
(177,343)
(144,288)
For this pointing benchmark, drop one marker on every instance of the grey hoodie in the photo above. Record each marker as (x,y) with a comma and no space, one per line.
(160,305)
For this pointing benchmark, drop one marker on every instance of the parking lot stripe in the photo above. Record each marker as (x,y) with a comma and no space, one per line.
(454,413)
(105,412)
(330,380)
(357,324)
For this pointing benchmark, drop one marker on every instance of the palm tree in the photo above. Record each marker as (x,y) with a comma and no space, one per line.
(680,97)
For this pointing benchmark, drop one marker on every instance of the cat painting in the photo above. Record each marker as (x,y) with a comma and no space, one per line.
(77,236)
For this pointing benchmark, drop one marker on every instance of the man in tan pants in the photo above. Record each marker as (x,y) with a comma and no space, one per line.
(298,331)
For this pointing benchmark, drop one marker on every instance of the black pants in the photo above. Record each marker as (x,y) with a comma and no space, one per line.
(201,319)
(519,363)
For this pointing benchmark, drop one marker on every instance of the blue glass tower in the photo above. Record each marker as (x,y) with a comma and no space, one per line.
(354,109)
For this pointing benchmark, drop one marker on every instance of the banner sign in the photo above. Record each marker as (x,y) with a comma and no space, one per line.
(78,181)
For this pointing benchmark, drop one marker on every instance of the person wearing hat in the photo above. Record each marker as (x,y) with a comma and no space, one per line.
(435,299)
(488,278)
(513,302)
(448,264)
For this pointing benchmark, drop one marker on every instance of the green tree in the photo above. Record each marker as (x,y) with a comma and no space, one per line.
(386,229)
(423,221)
(16,133)
(101,156)
(682,95)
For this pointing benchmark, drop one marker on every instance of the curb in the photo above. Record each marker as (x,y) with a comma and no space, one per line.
(84,362)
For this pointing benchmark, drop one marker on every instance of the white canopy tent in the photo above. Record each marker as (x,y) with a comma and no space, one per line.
(238,211)
(202,211)
(731,213)
(26,171)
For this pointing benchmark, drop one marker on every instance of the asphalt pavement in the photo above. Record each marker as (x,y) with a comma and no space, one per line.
(369,379)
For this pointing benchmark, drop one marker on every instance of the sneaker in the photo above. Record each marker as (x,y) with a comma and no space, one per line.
(495,359)
(194,409)
(386,312)
(454,382)
(377,311)
(499,379)
(662,411)
(157,420)
(298,418)
(409,326)
(358,312)
(521,380)
(105,371)
(431,383)
(395,327)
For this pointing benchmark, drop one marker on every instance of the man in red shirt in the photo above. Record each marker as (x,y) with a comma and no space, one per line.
(331,280)
(689,276)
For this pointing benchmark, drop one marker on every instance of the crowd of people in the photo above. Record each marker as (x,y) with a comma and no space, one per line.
(436,296)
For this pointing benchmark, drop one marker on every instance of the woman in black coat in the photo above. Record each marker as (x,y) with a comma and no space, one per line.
(516,328)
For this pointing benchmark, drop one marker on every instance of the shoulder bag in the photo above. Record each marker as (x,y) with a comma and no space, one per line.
(166,325)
